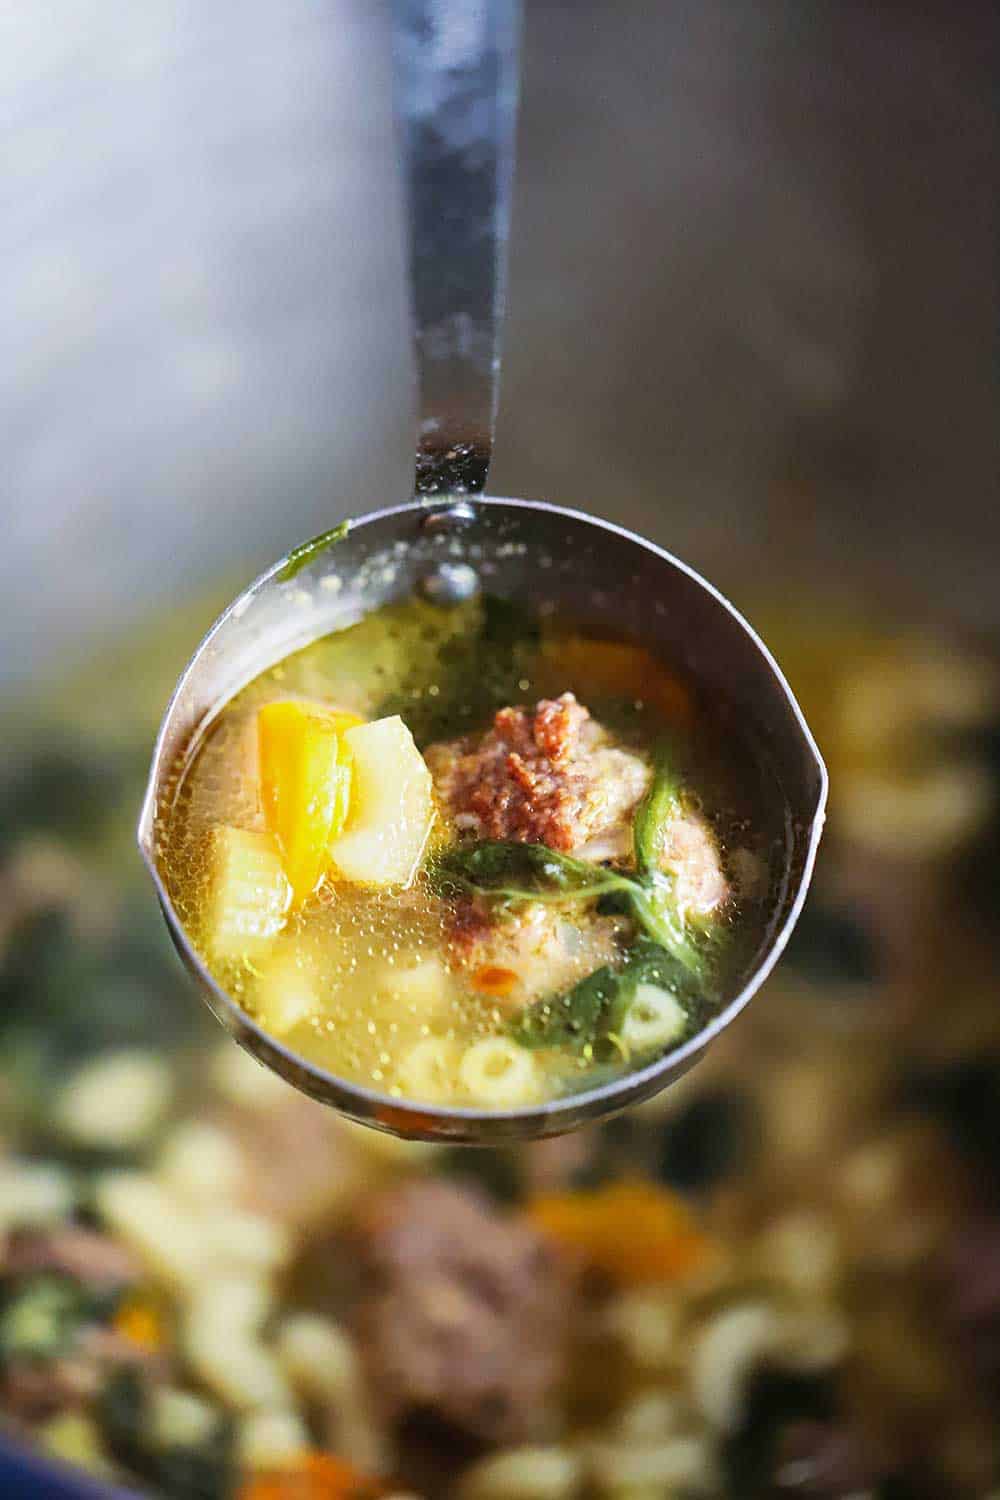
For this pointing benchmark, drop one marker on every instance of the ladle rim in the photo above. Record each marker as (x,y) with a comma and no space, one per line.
(419,1120)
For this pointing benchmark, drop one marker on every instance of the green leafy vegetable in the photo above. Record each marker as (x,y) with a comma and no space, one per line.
(508,873)
(594,1009)
(654,812)
(513,872)
(42,1313)
(300,557)
(204,1470)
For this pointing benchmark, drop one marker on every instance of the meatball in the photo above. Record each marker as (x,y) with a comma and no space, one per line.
(554,776)
(551,776)
(690,852)
(466,1316)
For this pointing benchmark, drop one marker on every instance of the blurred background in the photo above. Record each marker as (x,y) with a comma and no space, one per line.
(753,309)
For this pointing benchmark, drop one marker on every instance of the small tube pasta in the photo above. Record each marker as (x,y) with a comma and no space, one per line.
(271,1439)
(180,1419)
(429,1069)
(498,1072)
(149,1220)
(655,1018)
(115,1102)
(202,1163)
(532,1473)
(319,1358)
(223,1347)
(679,1463)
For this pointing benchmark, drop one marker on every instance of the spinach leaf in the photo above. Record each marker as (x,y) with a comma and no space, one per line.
(573,1019)
(510,873)
(595,1008)
(515,872)
(655,910)
(507,873)
(655,810)
(300,557)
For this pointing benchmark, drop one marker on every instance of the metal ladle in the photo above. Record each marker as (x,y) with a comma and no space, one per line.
(456,66)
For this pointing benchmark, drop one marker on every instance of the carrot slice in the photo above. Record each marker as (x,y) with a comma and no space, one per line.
(634,1232)
(491,979)
(316,1476)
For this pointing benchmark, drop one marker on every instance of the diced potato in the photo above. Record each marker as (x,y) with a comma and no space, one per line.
(392,806)
(305,783)
(249,896)
(285,993)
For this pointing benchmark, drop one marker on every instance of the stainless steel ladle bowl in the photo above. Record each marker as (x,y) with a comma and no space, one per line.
(456,70)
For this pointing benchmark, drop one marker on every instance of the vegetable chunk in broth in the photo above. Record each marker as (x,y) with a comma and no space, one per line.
(469,857)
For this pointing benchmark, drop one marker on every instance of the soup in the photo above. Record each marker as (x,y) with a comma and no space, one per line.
(469,857)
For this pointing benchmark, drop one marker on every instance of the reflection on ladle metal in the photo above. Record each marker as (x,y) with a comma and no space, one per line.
(456,78)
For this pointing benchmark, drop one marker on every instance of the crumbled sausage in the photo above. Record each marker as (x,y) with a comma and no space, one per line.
(550,777)
(555,777)
(466,1314)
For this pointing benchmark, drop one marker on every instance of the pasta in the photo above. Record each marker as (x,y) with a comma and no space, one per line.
(655,1019)
(531,1473)
(428,1070)
(498,1073)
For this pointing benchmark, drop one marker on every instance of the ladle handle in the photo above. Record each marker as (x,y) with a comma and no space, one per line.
(456,79)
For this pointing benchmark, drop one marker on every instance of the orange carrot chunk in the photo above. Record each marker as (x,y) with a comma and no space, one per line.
(634,1232)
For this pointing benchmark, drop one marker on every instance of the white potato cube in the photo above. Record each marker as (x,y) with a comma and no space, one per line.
(392,806)
(249,896)
(271,1439)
